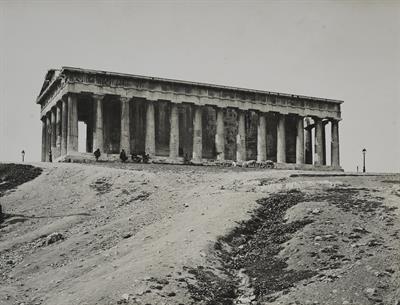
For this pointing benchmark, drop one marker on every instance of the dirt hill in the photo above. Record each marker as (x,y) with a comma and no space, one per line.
(159,234)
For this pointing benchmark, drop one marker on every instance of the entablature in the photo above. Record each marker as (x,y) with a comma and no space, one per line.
(73,80)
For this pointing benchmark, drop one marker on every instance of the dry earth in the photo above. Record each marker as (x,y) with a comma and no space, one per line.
(159,234)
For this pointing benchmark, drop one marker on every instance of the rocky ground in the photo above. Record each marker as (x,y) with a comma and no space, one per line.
(160,234)
(12,175)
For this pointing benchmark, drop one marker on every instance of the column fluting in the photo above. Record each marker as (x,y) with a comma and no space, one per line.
(197,135)
(318,150)
(53,115)
(64,124)
(44,131)
(300,141)
(48,135)
(99,123)
(281,139)
(241,138)
(58,129)
(174,132)
(261,138)
(220,135)
(150,141)
(72,128)
(125,130)
(335,155)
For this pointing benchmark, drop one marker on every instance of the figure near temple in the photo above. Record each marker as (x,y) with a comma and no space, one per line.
(123,156)
(97,154)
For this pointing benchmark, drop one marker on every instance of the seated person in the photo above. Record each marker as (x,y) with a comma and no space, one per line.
(97,154)
(123,156)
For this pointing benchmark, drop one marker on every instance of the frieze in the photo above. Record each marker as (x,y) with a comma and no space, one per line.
(104,80)
(126,82)
(107,82)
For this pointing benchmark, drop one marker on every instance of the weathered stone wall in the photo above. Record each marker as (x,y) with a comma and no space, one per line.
(230,131)
(185,130)
(209,124)
(112,125)
(271,122)
(163,126)
(251,122)
(291,133)
(137,125)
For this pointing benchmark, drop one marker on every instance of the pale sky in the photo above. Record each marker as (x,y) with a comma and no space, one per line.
(347,50)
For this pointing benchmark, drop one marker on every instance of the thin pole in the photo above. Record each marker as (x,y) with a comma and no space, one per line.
(364,151)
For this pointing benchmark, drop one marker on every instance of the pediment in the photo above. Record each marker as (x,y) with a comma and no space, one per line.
(50,76)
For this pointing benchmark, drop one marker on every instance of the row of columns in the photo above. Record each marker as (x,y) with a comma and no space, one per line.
(60,129)
(60,133)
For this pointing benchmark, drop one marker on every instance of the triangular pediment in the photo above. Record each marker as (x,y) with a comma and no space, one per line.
(51,75)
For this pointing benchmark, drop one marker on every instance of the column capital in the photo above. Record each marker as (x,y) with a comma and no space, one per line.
(97,97)
(261,113)
(58,103)
(70,94)
(316,118)
(298,115)
(325,121)
(124,99)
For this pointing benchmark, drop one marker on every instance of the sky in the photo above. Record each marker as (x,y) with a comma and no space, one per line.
(347,50)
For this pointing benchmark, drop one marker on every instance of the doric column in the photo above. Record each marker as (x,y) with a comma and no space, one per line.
(58,129)
(241,138)
(197,134)
(261,138)
(300,141)
(48,134)
(174,132)
(44,131)
(318,150)
(324,143)
(72,130)
(335,159)
(53,131)
(220,135)
(150,141)
(281,139)
(308,142)
(125,133)
(98,130)
(64,124)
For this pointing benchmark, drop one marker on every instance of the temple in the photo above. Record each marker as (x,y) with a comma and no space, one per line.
(173,120)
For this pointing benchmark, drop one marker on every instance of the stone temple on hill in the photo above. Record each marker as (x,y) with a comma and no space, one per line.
(173,120)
